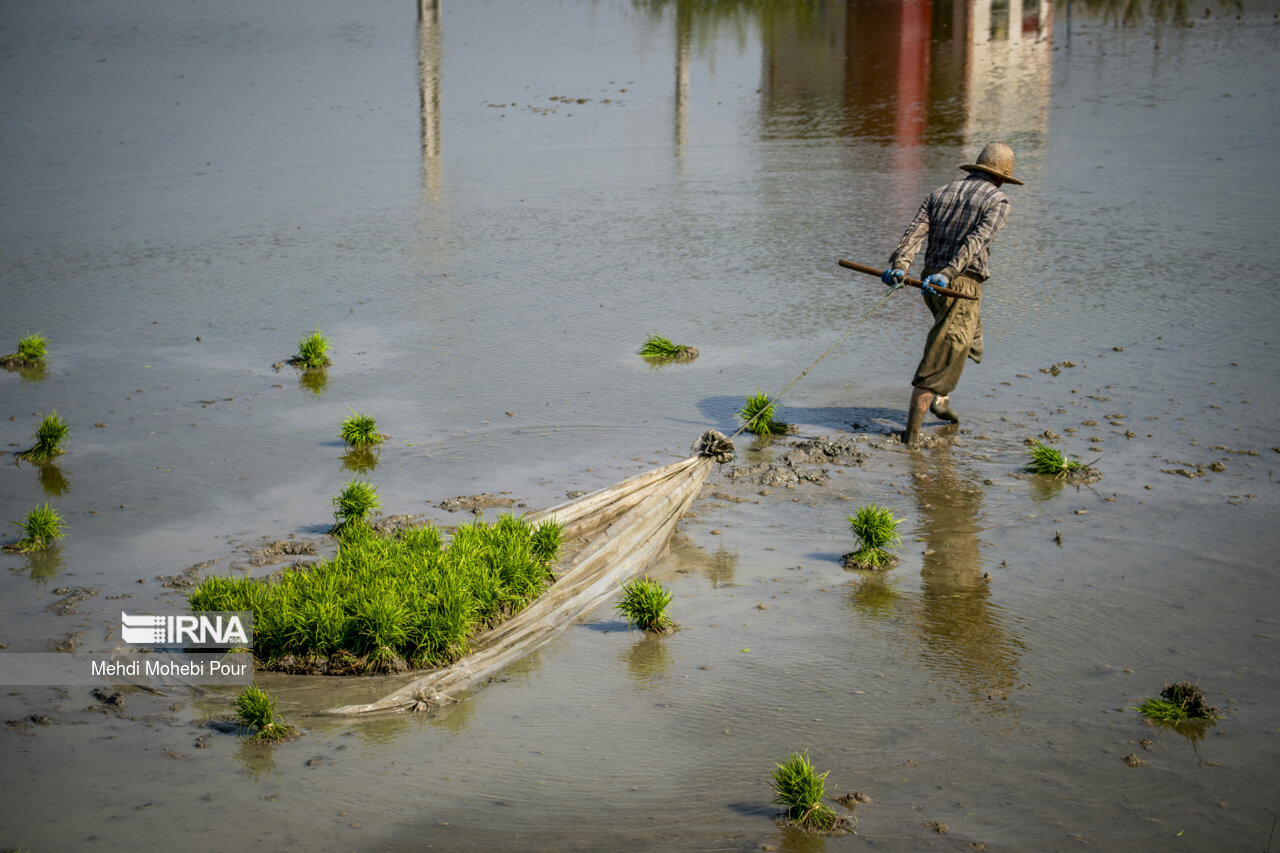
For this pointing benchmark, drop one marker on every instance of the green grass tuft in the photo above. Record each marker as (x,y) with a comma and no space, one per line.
(313,351)
(33,347)
(877,532)
(644,602)
(800,790)
(50,434)
(757,416)
(43,527)
(384,602)
(360,431)
(256,711)
(1046,460)
(356,502)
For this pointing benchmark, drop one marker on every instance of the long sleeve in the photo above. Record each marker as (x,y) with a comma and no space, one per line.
(912,239)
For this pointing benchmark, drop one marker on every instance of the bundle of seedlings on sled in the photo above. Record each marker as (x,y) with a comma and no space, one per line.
(1047,460)
(757,416)
(43,527)
(1179,702)
(658,348)
(50,434)
(644,602)
(312,352)
(256,711)
(800,790)
(360,431)
(877,532)
(389,602)
(356,502)
(31,351)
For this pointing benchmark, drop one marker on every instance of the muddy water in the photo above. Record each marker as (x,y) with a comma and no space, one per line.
(487,212)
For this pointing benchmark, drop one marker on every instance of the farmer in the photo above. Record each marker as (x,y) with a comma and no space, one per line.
(960,220)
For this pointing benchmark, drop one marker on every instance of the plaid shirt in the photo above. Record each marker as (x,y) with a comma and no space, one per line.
(960,220)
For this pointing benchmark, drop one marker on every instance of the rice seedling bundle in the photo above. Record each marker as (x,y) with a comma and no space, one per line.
(256,711)
(42,527)
(313,351)
(1047,460)
(877,532)
(33,347)
(658,348)
(799,790)
(50,434)
(644,602)
(1179,702)
(354,504)
(31,351)
(360,431)
(386,601)
(757,416)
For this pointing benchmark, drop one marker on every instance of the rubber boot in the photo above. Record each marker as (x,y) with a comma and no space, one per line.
(941,407)
(915,417)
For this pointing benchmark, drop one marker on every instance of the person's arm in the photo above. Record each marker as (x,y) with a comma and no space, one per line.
(912,239)
(980,236)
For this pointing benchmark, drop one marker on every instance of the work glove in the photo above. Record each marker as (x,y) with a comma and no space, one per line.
(893,278)
(933,281)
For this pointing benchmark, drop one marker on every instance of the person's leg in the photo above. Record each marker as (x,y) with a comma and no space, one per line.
(949,343)
(920,400)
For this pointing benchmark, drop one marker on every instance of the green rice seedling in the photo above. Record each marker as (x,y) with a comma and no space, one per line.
(644,602)
(386,599)
(313,351)
(357,500)
(256,711)
(877,532)
(50,434)
(799,789)
(360,431)
(757,416)
(33,347)
(43,527)
(1179,702)
(547,538)
(1047,460)
(658,348)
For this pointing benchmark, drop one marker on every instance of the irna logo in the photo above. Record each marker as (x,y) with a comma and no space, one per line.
(206,630)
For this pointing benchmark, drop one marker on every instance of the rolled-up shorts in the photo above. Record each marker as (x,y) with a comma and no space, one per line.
(956,335)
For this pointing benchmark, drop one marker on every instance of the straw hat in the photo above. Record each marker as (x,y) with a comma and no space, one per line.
(995,159)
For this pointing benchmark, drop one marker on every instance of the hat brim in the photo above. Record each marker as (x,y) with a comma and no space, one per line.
(974,167)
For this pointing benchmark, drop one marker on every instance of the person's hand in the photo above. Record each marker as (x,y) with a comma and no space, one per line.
(893,278)
(933,281)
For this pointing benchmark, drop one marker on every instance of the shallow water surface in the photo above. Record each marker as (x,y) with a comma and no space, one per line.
(487,208)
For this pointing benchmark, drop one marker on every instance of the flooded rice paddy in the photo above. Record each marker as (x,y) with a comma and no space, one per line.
(487,208)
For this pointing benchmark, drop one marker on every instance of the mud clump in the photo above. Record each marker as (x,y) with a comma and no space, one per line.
(802,463)
(66,606)
(275,551)
(476,503)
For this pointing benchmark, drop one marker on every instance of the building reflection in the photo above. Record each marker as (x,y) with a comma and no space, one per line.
(920,71)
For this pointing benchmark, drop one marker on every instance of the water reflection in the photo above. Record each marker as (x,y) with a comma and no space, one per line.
(360,460)
(963,631)
(648,657)
(430,53)
(933,71)
(44,566)
(52,480)
(315,381)
(1129,12)
(874,596)
(258,760)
